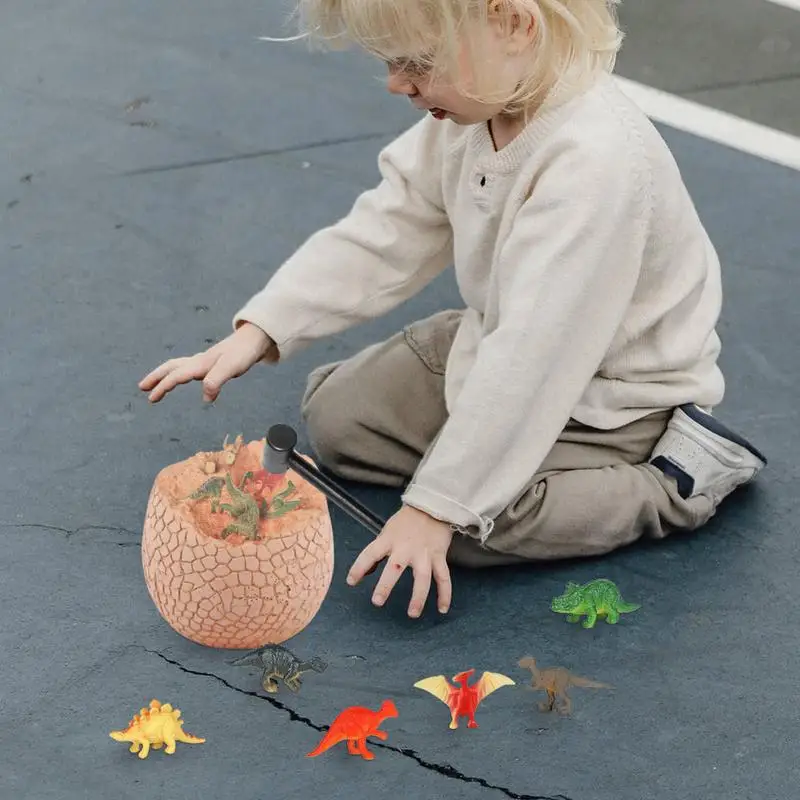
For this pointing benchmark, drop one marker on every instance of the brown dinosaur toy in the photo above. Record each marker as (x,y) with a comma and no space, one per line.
(353,726)
(556,681)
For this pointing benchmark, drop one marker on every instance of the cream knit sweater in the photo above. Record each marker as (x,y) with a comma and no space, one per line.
(591,288)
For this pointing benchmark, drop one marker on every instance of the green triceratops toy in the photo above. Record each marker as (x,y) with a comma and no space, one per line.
(598,598)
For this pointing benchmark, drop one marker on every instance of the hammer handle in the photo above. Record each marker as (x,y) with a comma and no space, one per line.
(336,494)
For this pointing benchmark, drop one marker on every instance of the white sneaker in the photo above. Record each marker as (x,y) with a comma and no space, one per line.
(703,456)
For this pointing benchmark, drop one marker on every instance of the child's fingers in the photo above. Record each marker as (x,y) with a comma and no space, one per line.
(189,370)
(152,378)
(229,364)
(373,568)
(367,559)
(394,568)
(444,586)
(422,587)
(216,378)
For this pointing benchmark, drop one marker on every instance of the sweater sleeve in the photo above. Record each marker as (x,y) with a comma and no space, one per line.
(564,281)
(396,239)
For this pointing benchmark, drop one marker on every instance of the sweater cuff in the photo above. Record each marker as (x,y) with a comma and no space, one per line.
(267,314)
(461,519)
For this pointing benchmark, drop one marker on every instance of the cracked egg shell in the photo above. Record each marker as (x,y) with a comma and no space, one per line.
(234,593)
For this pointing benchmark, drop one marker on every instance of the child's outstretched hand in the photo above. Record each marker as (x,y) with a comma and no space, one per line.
(411,538)
(227,359)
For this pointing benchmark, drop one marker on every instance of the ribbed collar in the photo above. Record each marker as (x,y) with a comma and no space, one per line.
(556,106)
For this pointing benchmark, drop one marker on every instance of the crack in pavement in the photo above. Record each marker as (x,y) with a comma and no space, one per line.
(445,770)
(277,151)
(68,532)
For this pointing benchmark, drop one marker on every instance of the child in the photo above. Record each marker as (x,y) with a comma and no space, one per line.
(565,410)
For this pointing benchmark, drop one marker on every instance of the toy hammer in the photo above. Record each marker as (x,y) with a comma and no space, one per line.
(279,455)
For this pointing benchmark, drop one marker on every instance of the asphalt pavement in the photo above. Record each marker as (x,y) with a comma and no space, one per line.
(158,164)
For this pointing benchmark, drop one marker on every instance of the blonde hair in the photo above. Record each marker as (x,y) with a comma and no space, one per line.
(573,39)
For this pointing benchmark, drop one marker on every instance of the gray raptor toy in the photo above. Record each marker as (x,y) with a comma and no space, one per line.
(279,663)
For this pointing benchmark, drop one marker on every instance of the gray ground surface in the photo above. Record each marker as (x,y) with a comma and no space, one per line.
(131,235)
(740,56)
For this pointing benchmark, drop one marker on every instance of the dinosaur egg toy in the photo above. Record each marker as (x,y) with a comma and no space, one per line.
(234,557)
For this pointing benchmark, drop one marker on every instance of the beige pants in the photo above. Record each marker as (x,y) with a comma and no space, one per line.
(373,417)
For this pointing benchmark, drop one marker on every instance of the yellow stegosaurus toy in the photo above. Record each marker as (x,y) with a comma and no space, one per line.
(155,727)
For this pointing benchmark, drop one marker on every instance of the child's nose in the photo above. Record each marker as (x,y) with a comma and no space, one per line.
(398,83)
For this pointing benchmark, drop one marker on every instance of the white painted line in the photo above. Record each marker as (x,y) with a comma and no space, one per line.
(794,4)
(717,126)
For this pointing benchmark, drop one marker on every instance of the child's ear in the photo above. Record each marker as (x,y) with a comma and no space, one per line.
(515,24)
(506,13)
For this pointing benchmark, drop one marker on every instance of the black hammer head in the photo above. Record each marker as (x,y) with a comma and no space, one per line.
(281,440)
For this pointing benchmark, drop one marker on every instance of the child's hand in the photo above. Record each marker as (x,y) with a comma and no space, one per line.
(410,538)
(227,359)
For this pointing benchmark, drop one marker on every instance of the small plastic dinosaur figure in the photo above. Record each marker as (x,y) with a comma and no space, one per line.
(556,681)
(211,488)
(278,662)
(462,699)
(598,598)
(155,727)
(279,506)
(243,507)
(353,726)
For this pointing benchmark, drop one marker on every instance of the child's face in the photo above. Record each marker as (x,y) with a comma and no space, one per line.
(440,97)
(446,96)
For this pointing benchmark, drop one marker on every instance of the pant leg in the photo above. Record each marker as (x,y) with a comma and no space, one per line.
(593,494)
(372,417)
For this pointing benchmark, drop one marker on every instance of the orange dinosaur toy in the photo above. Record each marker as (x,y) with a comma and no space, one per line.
(354,725)
(462,699)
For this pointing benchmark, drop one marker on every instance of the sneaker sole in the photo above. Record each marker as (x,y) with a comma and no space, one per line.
(696,426)
(719,434)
